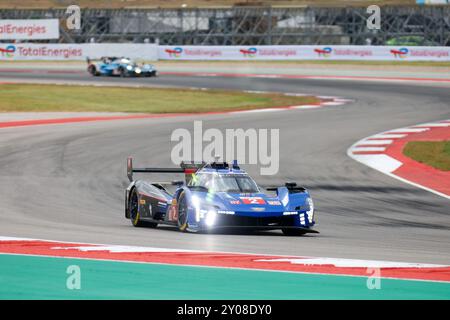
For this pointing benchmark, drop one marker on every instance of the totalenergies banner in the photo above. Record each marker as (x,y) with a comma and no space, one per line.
(28,51)
(31,29)
(304,53)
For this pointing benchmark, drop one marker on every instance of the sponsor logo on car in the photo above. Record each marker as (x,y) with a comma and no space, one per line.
(274,202)
(225,212)
(173,213)
(235,202)
(258,208)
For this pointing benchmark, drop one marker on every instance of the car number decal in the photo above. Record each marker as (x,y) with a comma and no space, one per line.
(253,200)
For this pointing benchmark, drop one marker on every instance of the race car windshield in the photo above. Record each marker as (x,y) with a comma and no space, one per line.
(230,183)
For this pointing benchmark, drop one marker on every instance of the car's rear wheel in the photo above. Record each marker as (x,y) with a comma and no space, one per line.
(93,70)
(134,209)
(182,213)
(293,232)
(135,213)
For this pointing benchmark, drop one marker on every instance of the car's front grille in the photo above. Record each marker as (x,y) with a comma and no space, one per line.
(246,221)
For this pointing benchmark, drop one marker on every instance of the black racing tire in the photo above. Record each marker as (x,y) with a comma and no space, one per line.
(293,232)
(133,207)
(123,73)
(182,213)
(93,71)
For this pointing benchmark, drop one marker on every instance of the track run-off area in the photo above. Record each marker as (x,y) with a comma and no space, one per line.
(64,182)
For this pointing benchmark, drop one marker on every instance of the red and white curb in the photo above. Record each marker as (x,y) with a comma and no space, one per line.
(324,102)
(262,262)
(384,152)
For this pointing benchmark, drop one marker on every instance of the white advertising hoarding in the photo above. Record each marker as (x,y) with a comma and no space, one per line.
(28,51)
(30,29)
(338,52)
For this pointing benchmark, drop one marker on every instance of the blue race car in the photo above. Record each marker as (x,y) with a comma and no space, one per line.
(215,196)
(123,67)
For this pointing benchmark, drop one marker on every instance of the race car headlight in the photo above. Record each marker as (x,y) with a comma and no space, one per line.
(210,218)
(196,205)
(137,70)
(310,212)
(129,68)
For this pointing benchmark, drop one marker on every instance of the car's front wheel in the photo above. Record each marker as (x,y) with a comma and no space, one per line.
(293,232)
(182,213)
(123,73)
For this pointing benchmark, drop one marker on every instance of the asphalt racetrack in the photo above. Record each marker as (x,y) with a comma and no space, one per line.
(66,182)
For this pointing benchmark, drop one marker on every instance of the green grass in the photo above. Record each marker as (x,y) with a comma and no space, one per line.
(59,98)
(432,153)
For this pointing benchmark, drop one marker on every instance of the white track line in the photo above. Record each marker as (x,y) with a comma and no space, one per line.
(331,103)
(307,106)
(440,124)
(385,136)
(408,130)
(377,142)
(358,149)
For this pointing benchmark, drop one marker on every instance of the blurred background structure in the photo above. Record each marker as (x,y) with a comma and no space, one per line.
(203,22)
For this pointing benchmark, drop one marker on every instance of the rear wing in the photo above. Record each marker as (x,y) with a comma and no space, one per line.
(188,168)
